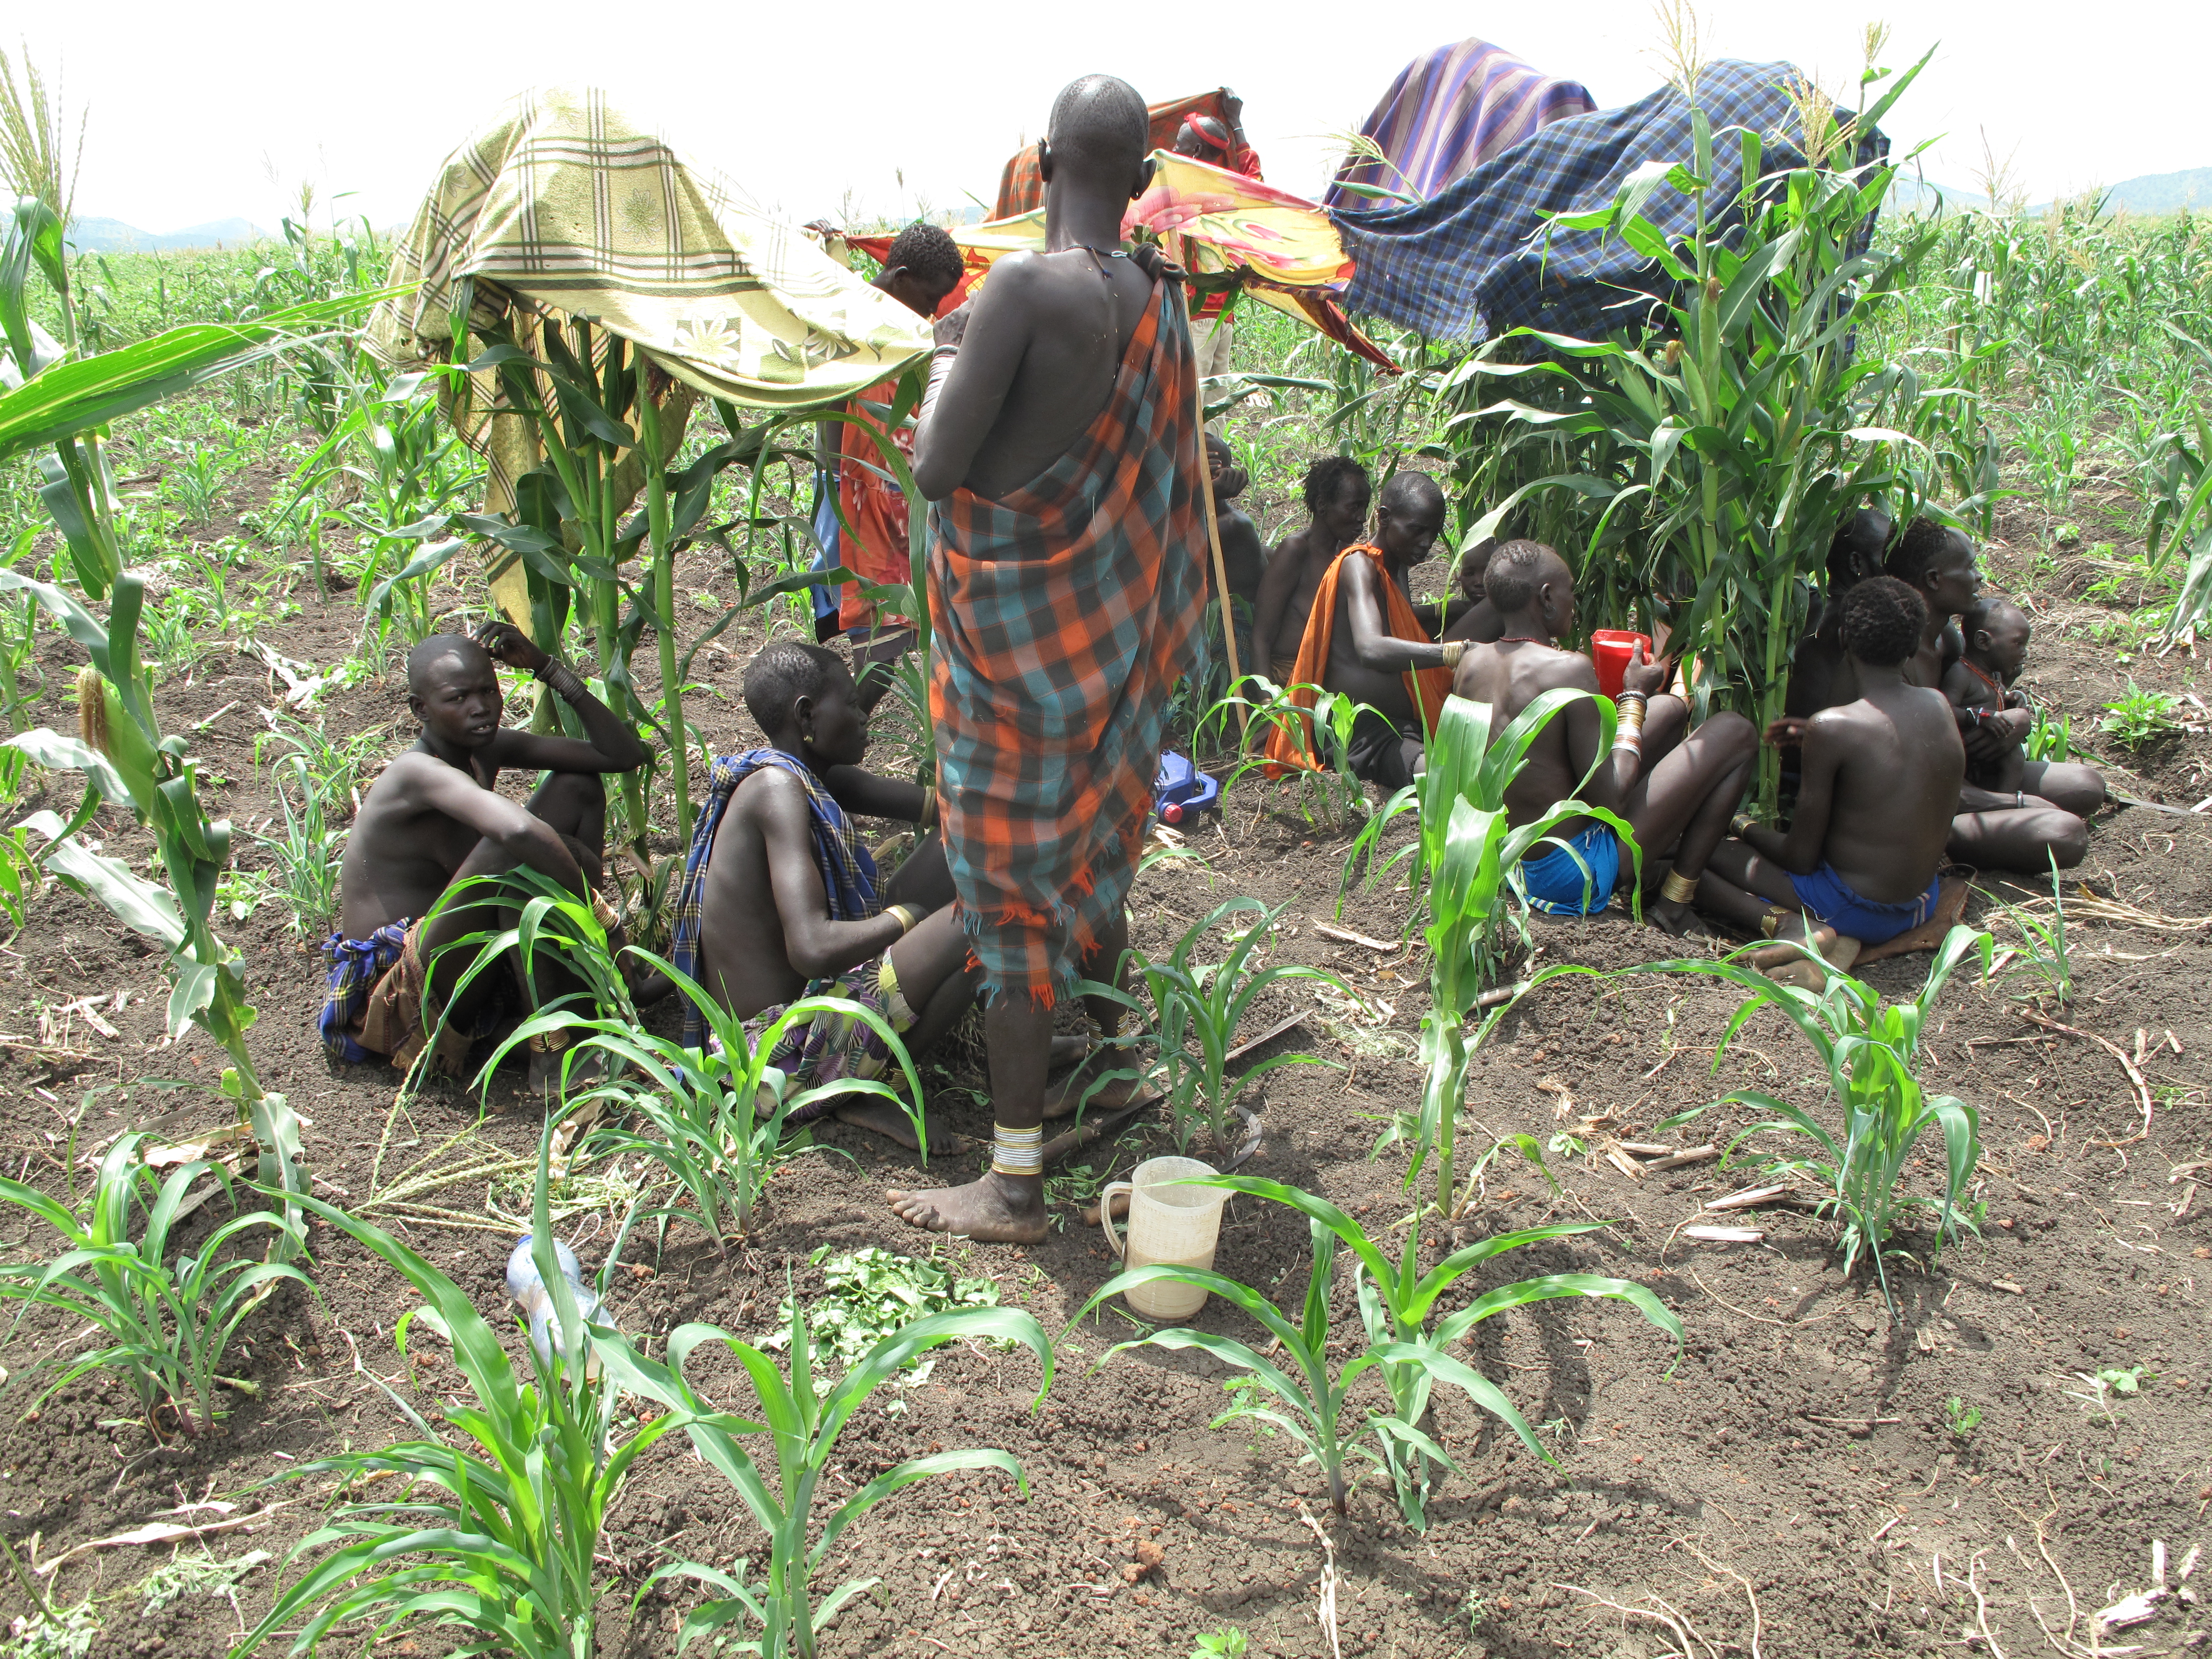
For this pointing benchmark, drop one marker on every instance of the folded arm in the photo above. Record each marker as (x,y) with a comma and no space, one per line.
(872,796)
(1372,642)
(508,825)
(815,946)
(990,335)
(1799,852)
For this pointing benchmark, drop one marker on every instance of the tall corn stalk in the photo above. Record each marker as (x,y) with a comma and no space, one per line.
(1469,850)
(1709,461)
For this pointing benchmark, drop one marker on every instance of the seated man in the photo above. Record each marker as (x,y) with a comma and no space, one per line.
(1877,785)
(779,900)
(1337,493)
(1979,685)
(1819,675)
(1675,787)
(1362,641)
(1243,556)
(433,818)
(1472,616)
(2014,830)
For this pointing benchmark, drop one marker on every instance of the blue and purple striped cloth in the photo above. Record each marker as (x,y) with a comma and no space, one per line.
(1482,258)
(1449,110)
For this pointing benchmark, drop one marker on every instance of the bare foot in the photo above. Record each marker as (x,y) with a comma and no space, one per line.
(1807,974)
(1788,940)
(889,1120)
(1064,1096)
(1673,916)
(1066,1050)
(996,1209)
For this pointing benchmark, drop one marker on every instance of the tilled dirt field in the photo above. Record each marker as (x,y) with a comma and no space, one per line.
(1802,1479)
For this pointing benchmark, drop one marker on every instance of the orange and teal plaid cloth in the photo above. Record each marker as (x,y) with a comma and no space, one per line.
(1064,614)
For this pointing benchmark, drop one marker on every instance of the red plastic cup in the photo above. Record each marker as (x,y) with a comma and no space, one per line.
(1611,649)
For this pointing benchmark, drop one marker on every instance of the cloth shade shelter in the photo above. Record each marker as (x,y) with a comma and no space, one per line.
(1021,184)
(561,207)
(1225,228)
(1482,258)
(1449,110)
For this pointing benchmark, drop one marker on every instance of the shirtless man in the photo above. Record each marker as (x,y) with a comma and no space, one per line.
(1061,628)
(759,927)
(433,819)
(1675,787)
(1877,785)
(1368,661)
(1337,495)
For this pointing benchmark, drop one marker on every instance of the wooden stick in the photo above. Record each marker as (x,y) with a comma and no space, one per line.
(1220,567)
(1351,938)
(1675,1161)
(1752,1198)
(2134,1076)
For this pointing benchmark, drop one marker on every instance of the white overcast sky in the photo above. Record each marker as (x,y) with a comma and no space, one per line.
(190,106)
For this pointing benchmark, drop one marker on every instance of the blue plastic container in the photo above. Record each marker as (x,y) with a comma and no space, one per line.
(1181,791)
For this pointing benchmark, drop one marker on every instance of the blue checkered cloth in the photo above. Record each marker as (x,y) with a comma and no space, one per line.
(848,869)
(1477,260)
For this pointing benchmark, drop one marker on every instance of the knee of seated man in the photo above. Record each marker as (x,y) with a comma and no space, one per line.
(2067,836)
(1731,732)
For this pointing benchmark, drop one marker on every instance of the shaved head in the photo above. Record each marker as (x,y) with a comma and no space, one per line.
(1412,492)
(425,658)
(1100,127)
(1517,569)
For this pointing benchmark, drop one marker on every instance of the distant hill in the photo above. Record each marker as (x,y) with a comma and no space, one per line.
(2165,193)
(2153,192)
(113,236)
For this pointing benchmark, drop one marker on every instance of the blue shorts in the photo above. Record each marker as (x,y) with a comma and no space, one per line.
(1870,921)
(1560,885)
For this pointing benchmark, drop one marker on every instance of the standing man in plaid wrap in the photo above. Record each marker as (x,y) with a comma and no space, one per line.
(1060,443)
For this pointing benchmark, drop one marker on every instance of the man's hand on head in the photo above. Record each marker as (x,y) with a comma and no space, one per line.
(1786,732)
(952,329)
(504,642)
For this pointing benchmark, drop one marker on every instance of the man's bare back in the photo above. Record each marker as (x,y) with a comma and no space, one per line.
(1052,328)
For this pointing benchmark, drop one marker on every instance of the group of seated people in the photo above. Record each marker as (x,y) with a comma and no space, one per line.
(1906,734)
(1903,733)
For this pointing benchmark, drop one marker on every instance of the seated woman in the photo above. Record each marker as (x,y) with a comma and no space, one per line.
(1364,642)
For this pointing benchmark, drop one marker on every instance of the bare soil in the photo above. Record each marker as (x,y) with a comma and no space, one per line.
(1790,1484)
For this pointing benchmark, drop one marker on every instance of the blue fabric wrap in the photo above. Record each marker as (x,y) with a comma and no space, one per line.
(827,556)
(848,871)
(1476,260)
(356,965)
(1559,886)
(1870,921)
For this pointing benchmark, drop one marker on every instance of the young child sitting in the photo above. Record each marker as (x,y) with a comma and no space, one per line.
(1472,616)
(1875,800)
(1337,493)
(1243,556)
(1996,633)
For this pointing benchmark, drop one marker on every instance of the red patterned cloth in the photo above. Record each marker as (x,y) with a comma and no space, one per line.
(1064,615)
(1021,185)
(871,542)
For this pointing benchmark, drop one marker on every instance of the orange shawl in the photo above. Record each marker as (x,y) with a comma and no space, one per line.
(1426,687)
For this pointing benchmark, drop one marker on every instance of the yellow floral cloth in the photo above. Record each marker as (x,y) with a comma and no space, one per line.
(561,208)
